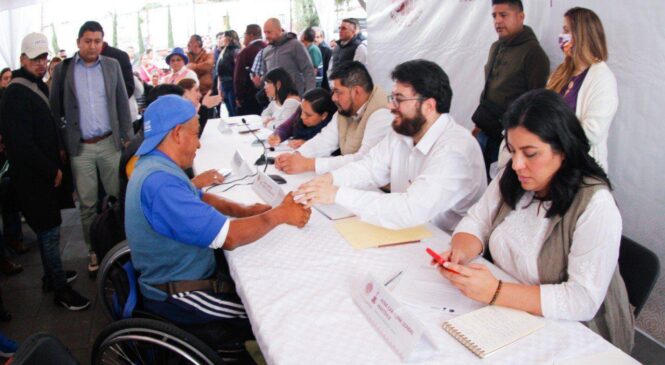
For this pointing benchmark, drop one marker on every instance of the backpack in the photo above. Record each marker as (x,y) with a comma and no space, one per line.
(108,228)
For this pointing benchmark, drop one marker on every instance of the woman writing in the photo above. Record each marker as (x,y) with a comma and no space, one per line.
(550,221)
(284,98)
(315,112)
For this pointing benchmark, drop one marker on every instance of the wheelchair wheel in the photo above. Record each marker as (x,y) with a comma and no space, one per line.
(146,341)
(110,266)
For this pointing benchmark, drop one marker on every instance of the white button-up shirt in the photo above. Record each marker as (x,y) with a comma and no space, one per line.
(327,141)
(438,179)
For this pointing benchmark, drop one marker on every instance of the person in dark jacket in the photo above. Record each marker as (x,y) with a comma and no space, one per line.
(36,154)
(125,65)
(516,64)
(243,87)
(225,68)
(326,52)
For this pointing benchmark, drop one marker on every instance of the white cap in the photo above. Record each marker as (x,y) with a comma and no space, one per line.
(34,45)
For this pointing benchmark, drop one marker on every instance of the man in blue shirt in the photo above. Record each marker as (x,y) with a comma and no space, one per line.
(173,228)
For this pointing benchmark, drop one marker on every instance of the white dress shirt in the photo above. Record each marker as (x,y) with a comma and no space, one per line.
(438,179)
(515,245)
(327,141)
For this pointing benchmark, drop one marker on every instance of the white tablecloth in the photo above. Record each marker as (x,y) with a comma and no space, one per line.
(296,285)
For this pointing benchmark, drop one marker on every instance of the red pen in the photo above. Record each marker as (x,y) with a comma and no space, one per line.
(439,259)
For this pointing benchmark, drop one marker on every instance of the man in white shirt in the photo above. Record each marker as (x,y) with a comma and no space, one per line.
(361,121)
(434,166)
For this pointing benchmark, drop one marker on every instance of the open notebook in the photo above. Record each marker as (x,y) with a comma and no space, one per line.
(491,328)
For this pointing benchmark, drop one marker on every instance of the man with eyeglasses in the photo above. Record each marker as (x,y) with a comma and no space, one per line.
(361,121)
(433,165)
(42,182)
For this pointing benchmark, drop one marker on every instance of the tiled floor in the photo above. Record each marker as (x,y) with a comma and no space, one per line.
(33,310)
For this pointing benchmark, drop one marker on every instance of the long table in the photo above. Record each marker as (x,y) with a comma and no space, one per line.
(297,285)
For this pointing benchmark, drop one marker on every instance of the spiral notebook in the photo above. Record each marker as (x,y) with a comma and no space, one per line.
(491,328)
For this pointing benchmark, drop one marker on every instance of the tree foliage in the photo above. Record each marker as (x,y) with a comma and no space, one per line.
(306,14)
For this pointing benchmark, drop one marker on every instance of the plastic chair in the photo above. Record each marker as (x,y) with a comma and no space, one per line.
(639,268)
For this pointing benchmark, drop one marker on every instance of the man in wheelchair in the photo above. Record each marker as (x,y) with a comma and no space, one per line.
(173,228)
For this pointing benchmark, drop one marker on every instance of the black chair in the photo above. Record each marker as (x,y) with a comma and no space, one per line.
(42,348)
(639,268)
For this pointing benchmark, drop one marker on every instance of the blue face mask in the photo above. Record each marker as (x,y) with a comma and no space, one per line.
(564,39)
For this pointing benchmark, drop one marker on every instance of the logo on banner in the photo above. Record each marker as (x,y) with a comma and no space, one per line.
(406,12)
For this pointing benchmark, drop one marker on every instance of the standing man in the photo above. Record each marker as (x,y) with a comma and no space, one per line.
(285,51)
(243,86)
(307,39)
(219,46)
(516,64)
(125,65)
(90,98)
(350,46)
(38,166)
(434,167)
(361,121)
(201,62)
(326,52)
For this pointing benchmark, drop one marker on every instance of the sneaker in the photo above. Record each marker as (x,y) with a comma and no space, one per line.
(47,284)
(71,299)
(9,267)
(7,346)
(93,265)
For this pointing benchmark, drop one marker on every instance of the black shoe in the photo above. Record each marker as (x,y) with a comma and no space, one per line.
(47,284)
(70,299)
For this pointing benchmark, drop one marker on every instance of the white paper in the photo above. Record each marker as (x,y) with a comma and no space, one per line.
(424,287)
(268,190)
(333,211)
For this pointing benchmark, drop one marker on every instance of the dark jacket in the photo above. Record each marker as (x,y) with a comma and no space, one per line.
(242,83)
(326,52)
(226,66)
(33,148)
(513,67)
(345,53)
(125,66)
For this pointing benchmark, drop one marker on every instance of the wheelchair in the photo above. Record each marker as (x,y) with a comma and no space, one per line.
(137,336)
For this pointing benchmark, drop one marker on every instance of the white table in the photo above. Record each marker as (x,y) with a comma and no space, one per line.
(296,285)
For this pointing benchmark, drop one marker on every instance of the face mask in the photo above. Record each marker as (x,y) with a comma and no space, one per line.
(564,41)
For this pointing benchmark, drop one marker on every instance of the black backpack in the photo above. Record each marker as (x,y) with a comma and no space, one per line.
(108,228)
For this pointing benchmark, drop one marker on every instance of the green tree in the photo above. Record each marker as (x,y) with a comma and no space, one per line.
(115,29)
(141,41)
(305,13)
(54,40)
(171,43)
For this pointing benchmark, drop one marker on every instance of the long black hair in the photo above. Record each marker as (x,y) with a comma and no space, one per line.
(545,114)
(286,88)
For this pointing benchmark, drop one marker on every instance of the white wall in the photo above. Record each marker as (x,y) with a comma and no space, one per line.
(457,34)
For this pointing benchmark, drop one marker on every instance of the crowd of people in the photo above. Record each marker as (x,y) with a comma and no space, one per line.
(528,187)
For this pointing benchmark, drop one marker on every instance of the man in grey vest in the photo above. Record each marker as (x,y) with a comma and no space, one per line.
(351,45)
(361,121)
(90,98)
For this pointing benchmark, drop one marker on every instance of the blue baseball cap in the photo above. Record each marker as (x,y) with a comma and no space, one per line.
(177,52)
(161,116)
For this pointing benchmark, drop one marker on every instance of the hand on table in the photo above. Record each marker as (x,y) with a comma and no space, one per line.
(208,178)
(474,280)
(296,143)
(274,140)
(294,163)
(318,190)
(256,209)
(296,214)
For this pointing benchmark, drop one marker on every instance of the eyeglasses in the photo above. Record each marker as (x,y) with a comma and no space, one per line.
(396,101)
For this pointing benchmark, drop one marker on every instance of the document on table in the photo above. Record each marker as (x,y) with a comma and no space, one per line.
(364,235)
(333,211)
(423,286)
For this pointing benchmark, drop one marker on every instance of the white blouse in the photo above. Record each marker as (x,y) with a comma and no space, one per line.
(280,113)
(515,245)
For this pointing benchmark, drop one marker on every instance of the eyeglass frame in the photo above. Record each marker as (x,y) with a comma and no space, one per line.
(392,99)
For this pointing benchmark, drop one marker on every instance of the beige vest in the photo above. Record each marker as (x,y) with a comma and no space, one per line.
(614,320)
(351,133)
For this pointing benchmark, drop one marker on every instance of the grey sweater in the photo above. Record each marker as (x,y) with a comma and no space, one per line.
(289,54)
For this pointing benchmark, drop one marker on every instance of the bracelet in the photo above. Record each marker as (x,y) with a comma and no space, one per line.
(496,293)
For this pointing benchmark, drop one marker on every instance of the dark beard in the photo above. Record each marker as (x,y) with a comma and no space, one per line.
(344,112)
(410,126)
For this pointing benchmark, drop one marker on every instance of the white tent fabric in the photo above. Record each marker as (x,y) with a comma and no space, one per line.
(458,34)
(15,22)
(327,17)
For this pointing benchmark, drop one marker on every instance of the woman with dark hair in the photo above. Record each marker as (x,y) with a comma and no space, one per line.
(584,80)
(203,104)
(551,222)
(5,78)
(315,112)
(283,95)
(225,66)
